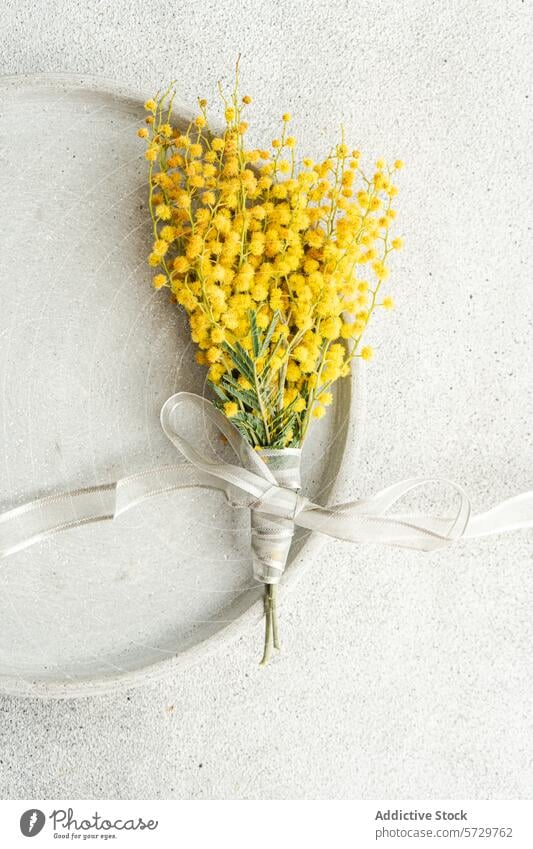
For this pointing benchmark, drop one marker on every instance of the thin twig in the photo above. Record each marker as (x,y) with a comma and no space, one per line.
(268,627)
(274,604)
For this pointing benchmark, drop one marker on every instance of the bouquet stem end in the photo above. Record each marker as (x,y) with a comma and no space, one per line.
(271,622)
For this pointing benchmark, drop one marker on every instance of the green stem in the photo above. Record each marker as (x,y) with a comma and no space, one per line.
(271,622)
(274,605)
(268,627)
(261,404)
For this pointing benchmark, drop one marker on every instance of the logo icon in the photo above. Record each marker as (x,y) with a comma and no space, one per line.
(32,822)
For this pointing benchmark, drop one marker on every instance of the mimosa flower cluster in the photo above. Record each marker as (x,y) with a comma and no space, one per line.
(279,261)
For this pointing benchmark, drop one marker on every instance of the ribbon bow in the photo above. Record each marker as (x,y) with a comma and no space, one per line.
(253,485)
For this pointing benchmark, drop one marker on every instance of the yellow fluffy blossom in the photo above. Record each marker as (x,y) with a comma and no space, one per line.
(163,211)
(231,409)
(160,247)
(277,263)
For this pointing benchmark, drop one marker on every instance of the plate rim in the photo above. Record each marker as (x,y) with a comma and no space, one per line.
(209,645)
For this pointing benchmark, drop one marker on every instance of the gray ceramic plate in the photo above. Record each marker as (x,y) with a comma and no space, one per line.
(89,352)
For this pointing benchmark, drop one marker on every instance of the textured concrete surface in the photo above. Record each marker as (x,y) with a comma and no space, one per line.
(402,676)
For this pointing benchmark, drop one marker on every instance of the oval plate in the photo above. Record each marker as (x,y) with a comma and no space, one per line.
(89,354)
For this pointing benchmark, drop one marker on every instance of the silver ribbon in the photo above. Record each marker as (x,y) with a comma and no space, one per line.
(272,535)
(268,486)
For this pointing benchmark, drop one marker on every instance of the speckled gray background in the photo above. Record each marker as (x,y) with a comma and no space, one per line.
(403,676)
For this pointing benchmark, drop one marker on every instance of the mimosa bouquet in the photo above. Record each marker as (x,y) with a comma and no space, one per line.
(279,263)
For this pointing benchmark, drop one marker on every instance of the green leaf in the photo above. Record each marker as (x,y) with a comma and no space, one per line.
(254,331)
(273,353)
(219,391)
(243,395)
(241,360)
(247,432)
(230,381)
(254,424)
(268,334)
(245,356)
(280,435)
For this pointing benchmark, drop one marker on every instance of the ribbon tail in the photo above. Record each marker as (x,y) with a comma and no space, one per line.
(364,522)
(40,519)
(511,515)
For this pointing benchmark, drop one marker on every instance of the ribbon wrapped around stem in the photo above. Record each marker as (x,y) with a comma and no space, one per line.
(267,483)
